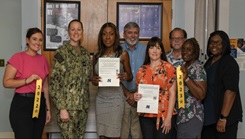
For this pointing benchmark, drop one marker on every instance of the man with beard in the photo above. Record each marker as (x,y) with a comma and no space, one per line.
(136,51)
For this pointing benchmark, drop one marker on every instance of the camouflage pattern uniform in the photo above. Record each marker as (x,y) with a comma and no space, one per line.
(69,88)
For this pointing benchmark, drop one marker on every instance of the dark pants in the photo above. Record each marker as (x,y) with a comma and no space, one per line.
(149,131)
(22,123)
(210,132)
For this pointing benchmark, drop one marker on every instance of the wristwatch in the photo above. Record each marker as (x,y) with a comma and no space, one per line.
(222,117)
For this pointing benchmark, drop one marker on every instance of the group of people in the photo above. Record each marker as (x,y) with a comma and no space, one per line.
(212,99)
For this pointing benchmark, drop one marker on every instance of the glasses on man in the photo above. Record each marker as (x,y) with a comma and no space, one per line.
(177,38)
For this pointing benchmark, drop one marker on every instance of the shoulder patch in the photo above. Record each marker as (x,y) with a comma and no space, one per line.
(59,57)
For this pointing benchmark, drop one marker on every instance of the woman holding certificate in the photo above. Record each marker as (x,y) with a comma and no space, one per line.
(110,100)
(157,71)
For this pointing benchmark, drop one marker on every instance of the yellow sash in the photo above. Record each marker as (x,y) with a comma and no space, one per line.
(37,99)
(180,84)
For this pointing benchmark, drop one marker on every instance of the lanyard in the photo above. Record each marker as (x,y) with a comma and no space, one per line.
(180,84)
(37,98)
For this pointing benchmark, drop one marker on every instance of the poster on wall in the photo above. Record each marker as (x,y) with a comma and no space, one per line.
(147,15)
(58,14)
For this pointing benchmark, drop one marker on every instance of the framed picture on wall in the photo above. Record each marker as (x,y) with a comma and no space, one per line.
(147,15)
(57,15)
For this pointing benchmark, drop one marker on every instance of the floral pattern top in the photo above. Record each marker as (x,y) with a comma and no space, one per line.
(176,62)
(193,107)
(164,75)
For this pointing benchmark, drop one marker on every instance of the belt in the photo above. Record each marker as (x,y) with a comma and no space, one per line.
(31,94)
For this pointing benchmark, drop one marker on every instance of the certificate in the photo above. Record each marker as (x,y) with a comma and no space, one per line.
(108,70)
(149,101)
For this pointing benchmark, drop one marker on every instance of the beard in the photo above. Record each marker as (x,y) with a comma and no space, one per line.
(131,43)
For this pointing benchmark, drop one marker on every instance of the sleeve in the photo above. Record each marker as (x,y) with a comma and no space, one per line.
(17,62)
(200,73)
(138,76)
(57,81)
(231,75)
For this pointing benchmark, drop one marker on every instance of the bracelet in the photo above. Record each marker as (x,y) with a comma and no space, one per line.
(187,79)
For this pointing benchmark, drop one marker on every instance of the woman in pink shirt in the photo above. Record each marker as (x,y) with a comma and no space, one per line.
(22,71)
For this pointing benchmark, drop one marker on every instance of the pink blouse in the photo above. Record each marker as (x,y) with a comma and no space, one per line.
(27,65)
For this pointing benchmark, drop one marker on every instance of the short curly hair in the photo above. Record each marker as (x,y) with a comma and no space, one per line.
(195,45)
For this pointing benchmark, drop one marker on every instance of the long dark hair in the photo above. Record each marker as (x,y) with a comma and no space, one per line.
(116,47)
(225,43)
(152,42)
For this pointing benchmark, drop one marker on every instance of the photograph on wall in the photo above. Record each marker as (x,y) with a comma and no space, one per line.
(241,44)
(58,14)
(147,15)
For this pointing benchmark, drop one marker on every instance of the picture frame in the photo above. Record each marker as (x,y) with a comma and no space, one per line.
(147,15)
(57,15)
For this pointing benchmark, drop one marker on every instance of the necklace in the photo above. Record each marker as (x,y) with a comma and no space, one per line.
(109,55)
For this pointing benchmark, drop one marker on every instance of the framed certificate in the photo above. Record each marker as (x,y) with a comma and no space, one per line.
(57,15)
(147,15)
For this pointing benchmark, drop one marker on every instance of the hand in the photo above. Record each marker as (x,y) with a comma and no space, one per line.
(32,78)
(123,76)
(64,115)
(130,100)
(137,96)
(96,80)
(166,126)
(48,117)
(185,72)
(221,124)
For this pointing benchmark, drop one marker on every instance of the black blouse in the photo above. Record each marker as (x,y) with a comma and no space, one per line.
(226,78)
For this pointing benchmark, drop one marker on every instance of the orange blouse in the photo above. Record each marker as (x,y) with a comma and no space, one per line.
(164,75)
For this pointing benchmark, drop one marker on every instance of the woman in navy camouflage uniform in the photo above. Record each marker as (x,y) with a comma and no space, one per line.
(69,83)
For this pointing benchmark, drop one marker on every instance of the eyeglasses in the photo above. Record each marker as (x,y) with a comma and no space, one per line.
(177,39)
(215,42)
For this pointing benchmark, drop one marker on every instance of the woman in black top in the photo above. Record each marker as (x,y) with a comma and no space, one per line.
(222,105)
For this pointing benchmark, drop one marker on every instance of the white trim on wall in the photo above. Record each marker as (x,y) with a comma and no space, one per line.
(190,17)
(183,16)
(224,15)
(31,17)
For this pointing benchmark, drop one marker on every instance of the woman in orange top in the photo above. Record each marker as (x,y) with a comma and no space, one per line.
(157,71)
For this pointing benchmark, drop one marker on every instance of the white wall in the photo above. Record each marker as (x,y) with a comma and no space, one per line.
(31,17)
(10,38)
(183,15)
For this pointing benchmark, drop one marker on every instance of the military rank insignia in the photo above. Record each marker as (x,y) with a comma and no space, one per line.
(59,57)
